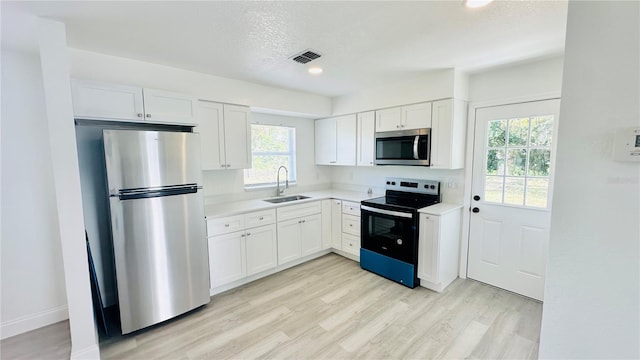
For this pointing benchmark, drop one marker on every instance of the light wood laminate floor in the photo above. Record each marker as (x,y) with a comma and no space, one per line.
(327,308)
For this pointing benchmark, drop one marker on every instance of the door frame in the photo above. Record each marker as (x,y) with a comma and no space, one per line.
(469,158)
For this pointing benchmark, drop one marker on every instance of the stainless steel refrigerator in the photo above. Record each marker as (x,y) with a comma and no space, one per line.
(158,224)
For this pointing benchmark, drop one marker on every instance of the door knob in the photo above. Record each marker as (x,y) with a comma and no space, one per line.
(476,197)
(475,210)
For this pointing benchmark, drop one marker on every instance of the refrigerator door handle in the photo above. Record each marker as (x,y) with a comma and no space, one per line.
(157,192)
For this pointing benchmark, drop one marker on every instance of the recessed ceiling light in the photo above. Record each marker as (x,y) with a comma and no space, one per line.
(315,70)
(476,3)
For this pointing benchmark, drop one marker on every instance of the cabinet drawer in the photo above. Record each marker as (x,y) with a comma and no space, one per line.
(259,218)
(351,224)
(351,244)
(351,208)
(296,211)
(225,225)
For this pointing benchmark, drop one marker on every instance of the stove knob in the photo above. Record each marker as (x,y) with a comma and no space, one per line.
(433,186)
(426,186)
(388,182)
(399,241)
(393,183)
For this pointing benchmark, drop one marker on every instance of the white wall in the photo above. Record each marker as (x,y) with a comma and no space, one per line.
(227,185)
(516,81)
(94,66)
(591,305)
(430,86)
(33,287)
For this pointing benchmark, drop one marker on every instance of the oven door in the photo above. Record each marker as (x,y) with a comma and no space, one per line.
(390,233)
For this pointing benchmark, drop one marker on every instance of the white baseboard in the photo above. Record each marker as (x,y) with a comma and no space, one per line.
(34,321)
(90,352)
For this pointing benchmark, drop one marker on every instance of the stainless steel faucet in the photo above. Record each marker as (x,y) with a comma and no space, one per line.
(286,186)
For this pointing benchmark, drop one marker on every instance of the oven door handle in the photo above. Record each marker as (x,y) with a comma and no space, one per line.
(386,212)
(415,147)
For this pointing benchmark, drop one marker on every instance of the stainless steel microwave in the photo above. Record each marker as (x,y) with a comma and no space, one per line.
(406,147)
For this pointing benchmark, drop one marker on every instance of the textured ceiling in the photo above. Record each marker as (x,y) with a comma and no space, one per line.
(363,43)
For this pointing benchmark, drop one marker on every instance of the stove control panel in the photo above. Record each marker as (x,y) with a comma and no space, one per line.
(421,186)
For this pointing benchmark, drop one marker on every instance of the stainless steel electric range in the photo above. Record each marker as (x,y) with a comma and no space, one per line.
(389,229)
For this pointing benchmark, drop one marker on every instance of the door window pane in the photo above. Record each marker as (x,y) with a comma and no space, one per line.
(539,160)
(497,133)
(537,192)
(516,162)
(514,191)
(518,132)
(495,162)
(493,189)
(541,130)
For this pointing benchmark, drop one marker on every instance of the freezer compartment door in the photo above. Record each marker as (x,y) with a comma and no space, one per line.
(147,159)
(161,256)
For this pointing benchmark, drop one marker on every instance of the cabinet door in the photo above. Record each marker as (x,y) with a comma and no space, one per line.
(288,241)
(326,224)
(428,248)
(262,249)
(416,116)
(325,145)
(237,137)
(366,139)
(226,258)
(168,107)
(346,140)
(96,100)
(448,134)
(311,234)
(336,224)
(351,244)
(211,129)
(388,119)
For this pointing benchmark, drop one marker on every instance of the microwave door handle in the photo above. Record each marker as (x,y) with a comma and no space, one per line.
(415,147)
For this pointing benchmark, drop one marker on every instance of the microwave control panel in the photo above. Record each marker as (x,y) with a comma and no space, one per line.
(626,146)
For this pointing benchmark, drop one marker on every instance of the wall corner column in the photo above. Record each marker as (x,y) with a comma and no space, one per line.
(59,109)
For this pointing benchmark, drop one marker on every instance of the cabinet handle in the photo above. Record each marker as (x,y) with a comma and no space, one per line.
(248,233)
(243,235)
(222,165)
(148,115)
(228,165)
(261,218)
(226,225)
(139,114)
(332,162)
(350,225)
(397,126)
(304,221)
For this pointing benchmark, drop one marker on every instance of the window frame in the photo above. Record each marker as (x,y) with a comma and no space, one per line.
(291,153)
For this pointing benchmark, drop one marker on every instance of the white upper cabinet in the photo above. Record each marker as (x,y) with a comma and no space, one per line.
(417,116)
(366,139)
(325,146)
(407,117)
(105,101)
(448,133)
(167,106)
(225,136)
(96,100)
(388,119)
(237,137)
(336,140)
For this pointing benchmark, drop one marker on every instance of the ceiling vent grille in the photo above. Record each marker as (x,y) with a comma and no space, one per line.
(305,56)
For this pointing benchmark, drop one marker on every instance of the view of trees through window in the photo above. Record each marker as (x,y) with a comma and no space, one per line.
(271,147)
(518,159)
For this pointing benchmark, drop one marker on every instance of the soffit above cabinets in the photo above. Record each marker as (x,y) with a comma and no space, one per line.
(363,44)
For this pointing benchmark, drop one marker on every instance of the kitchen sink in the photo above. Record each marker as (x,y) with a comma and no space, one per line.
(286,199)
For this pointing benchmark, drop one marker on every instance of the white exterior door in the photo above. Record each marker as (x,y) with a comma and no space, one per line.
(511,195)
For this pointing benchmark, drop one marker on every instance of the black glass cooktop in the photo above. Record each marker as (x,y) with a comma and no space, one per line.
(403,201)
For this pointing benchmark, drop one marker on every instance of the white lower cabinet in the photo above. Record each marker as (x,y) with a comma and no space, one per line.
(299,236)
(226,258)
(261,249)
(350,228)
(326,224)
(336,224)
(439,247)
(241,245)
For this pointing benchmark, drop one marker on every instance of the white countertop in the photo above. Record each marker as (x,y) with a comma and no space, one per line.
(440,209)
(213,211)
